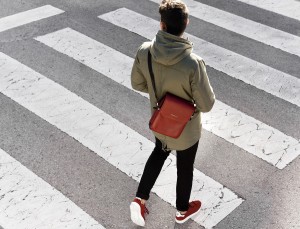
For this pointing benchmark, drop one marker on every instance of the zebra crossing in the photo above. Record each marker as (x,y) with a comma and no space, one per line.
(268,79)
(248,28)
(126,18)
(110,138)
(28,200)
(288,8)
(240,129)
(103,134)
(29,16)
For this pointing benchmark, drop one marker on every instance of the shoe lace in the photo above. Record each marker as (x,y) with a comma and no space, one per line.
(146,210)
(178,214)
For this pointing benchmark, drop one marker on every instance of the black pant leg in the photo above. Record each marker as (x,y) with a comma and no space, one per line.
(151,171)
(185,168)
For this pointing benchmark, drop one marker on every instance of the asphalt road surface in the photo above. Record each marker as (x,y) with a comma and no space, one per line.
(73,133)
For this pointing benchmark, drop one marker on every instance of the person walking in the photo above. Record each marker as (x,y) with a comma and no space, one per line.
(178,71)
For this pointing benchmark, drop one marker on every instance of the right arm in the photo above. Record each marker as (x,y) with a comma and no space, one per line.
(138,80)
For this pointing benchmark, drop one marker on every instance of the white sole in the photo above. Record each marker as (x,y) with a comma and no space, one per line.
(135,213)
(186,219)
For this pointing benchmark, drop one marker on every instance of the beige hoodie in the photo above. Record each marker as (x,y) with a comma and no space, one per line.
(178,71)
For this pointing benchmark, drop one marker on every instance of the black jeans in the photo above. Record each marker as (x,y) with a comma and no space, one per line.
(185,168)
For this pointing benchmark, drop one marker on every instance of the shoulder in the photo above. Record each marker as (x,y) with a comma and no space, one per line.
(194,61)
(144,48)
(197,59)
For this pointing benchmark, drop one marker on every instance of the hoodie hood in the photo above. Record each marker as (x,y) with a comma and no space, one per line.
(168,49)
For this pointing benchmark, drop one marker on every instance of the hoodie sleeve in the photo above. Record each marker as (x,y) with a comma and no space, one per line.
(138,80)
(201,89)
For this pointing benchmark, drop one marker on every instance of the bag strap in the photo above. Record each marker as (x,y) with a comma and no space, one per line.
(152,75)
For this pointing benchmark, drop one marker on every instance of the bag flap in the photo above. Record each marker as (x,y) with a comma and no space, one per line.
(177,108)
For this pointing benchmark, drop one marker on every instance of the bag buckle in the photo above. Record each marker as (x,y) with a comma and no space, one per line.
(156,107)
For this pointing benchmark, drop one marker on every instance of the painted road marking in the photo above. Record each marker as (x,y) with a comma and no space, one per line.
(112,140)
(254,30)
(28,16)
(288,8)
(224,121)
(251,72)
(27,201)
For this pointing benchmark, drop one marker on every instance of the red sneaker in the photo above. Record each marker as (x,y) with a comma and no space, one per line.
(138,211)
(194,208)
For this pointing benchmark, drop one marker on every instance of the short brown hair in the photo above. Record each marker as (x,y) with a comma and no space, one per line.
(174,14)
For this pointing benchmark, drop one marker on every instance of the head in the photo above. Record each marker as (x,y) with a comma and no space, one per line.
(174,16)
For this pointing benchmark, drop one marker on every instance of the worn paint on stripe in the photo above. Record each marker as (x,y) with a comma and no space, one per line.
(109,138)
(288,8)
(251,72)
(27,201)
(28,16)
(254,30)
(234,126)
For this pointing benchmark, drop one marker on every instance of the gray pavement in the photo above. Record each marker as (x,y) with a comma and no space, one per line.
(104,192)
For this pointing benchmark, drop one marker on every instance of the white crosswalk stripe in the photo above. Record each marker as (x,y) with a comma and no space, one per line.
(28,16)
(265,34)
(106,136)
(27,200)
(234,126)
(288,8)
(251,72)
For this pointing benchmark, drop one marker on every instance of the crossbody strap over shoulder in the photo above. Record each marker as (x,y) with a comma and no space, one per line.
(152,75)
